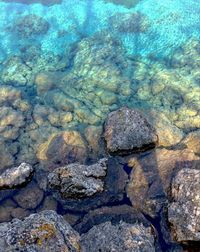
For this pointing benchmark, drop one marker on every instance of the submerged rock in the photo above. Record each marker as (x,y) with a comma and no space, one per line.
(122,237)
(15,176)
(29,197)
(129,22)
(127,130)
(45,231)
(192,141)
(184,210)
(31,25)
(62,148)
(79,181)
(127,3)
(151,176)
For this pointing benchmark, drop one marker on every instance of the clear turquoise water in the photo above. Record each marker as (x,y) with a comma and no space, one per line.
(92,63)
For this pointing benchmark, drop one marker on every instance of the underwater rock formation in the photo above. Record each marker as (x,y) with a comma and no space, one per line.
(135,22)
(126,3)
(192,141)
(30,26)
(62,148)
(119,237)
(15,176)
(127,130)
(151,177)
(79,181)
(29,197)
(45,231)
(184,210)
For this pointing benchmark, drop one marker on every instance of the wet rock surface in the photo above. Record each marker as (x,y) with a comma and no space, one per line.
(113,193)
(78,181)
(45,231)
(16,176)
(184,210)
(120,237)
(127,130)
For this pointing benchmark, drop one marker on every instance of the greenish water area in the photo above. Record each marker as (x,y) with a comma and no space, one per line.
(65,65)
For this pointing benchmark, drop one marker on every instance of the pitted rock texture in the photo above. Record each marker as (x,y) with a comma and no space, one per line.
(44,2)
(122,237)
(15,176)
(78,181)
(127,130)
(44,232)
(184,211)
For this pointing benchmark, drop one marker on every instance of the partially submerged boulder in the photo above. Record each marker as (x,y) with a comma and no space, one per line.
(45,231)
(79,181)
(15,176)
(184,210)
(122,237)
(127,131)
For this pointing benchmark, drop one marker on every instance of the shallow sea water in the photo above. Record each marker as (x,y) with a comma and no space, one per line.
(65,66)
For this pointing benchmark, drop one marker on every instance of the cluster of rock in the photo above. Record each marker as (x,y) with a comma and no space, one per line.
(49,232)
(160,181)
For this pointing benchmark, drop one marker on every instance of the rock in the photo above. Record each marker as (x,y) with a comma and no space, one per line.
(127,130)
(127,3)
(62,148)
(78,181)
(184,210)
(19,213)
(122,237)
(49,203)
(29,197)
(16,176)
(129,22)
(168,133)
(30,26)
(6,159)
(114,191)
(93,135)
(115,214)
(192,141)
(44,82)
(45,231)
(151,176)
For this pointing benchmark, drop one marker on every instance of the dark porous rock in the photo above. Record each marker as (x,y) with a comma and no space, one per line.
(122,237)
(151,176)
(29,197)
(79,181)
(127,130)
(115,214)
(184,210)
(113,193)
(30,26)
(45,231)
(16,176)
